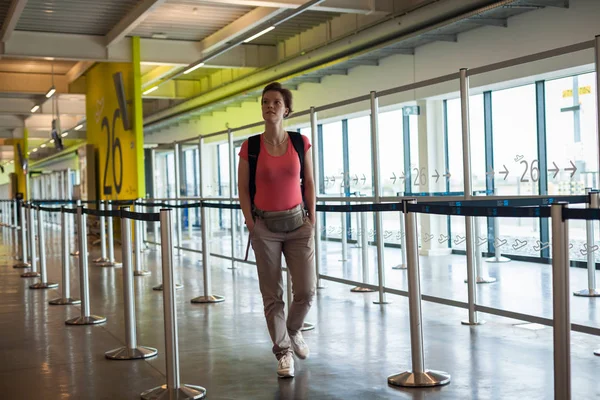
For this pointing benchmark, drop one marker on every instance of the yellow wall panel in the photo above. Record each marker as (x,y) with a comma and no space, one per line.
(119,151)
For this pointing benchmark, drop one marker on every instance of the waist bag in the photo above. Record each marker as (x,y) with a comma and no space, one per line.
(282,221)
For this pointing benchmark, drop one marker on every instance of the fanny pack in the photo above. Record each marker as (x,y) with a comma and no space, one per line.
(282,221)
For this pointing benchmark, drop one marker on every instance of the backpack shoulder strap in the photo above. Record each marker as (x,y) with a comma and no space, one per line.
(298,143)
(253,151)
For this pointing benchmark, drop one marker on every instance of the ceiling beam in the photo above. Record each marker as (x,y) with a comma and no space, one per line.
(338,6)
(501,22)
(60,46)
(11,19)
(78,69)
(130,21)
(239,27)
(15,82)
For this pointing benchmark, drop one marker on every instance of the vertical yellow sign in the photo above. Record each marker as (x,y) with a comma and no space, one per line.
(112,129)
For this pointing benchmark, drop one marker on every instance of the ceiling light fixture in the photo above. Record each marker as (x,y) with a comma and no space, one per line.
(34,150)
(152,89)
(35,108)
(65,133)
(78,127)
(195,67)
(259,34)
(50,92)
(43,145)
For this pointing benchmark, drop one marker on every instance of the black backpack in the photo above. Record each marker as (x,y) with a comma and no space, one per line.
(254,150)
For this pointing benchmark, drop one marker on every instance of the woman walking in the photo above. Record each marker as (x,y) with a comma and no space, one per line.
(277,196)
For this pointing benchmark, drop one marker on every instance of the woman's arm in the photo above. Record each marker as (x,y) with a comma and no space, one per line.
(244,192)
(309,187)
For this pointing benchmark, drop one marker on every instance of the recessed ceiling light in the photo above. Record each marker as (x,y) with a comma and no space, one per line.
(43,145)
(78,127)
(159,35)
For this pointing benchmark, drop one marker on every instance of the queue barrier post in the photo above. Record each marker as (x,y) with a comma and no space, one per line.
(418,376)
(43,284)
(66,298)
(173,389)
(86,318)
(131,350)
(31,244)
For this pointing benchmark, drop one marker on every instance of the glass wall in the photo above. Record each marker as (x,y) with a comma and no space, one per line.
(509,128)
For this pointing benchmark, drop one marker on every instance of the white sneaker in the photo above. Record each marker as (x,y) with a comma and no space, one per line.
(285,369)
(299,345)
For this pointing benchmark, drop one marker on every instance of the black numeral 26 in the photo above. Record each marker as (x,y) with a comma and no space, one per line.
(113,144)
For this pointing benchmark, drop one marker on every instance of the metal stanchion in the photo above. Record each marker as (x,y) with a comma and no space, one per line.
(137,248)
(231,194)
(66,273)
(306,326)
(344,238)
(102,260)
(176,157)
(131,350)
(482,274)
(75,252)
(498,258)
(85,318)
(377,189)
(316,176)
(470,244)
(418,376)
(43,284)
(144,228)
(365,256)
(23,242)
(207,297)
(560,301)
(15,226)
(173,389)
(32,251)
(111,242)
(591,291)
(403,264)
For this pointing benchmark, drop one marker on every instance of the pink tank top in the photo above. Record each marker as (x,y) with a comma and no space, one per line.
(277,178)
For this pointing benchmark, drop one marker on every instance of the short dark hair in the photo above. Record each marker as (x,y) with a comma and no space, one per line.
(285,93)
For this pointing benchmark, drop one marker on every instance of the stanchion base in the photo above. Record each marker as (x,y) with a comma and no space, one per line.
(359,289)
(483,279)
(208,299)
(22,265)
(184,392)
(307,326)
(497,260)
(587,293)
(381,302)
(30,275)
(466,322)
(42,285)
(343,260)
(597,352)
(125,353)
(400,266)
(91,320)
(64,301)
(160,287)
(100,260)
(428,378)
(141,273)
(110,264)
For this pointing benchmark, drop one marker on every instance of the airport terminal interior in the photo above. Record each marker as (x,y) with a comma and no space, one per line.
(455,160)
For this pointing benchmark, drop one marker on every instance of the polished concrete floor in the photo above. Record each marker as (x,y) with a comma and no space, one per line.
(225,347)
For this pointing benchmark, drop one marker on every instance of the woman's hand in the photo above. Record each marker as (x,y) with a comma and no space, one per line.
(250,225)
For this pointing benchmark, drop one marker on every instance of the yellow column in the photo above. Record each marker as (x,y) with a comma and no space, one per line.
(20,147)
(138,119)
(120,148)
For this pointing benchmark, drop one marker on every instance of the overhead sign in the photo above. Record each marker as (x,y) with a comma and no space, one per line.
(582,90)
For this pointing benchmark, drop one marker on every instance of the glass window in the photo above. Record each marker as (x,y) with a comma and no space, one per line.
(360,173)
(571,142)
(455,157)
(391,152)
(515,162)
(333,159)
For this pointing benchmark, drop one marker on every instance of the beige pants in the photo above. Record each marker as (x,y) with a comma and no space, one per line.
(298,247)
